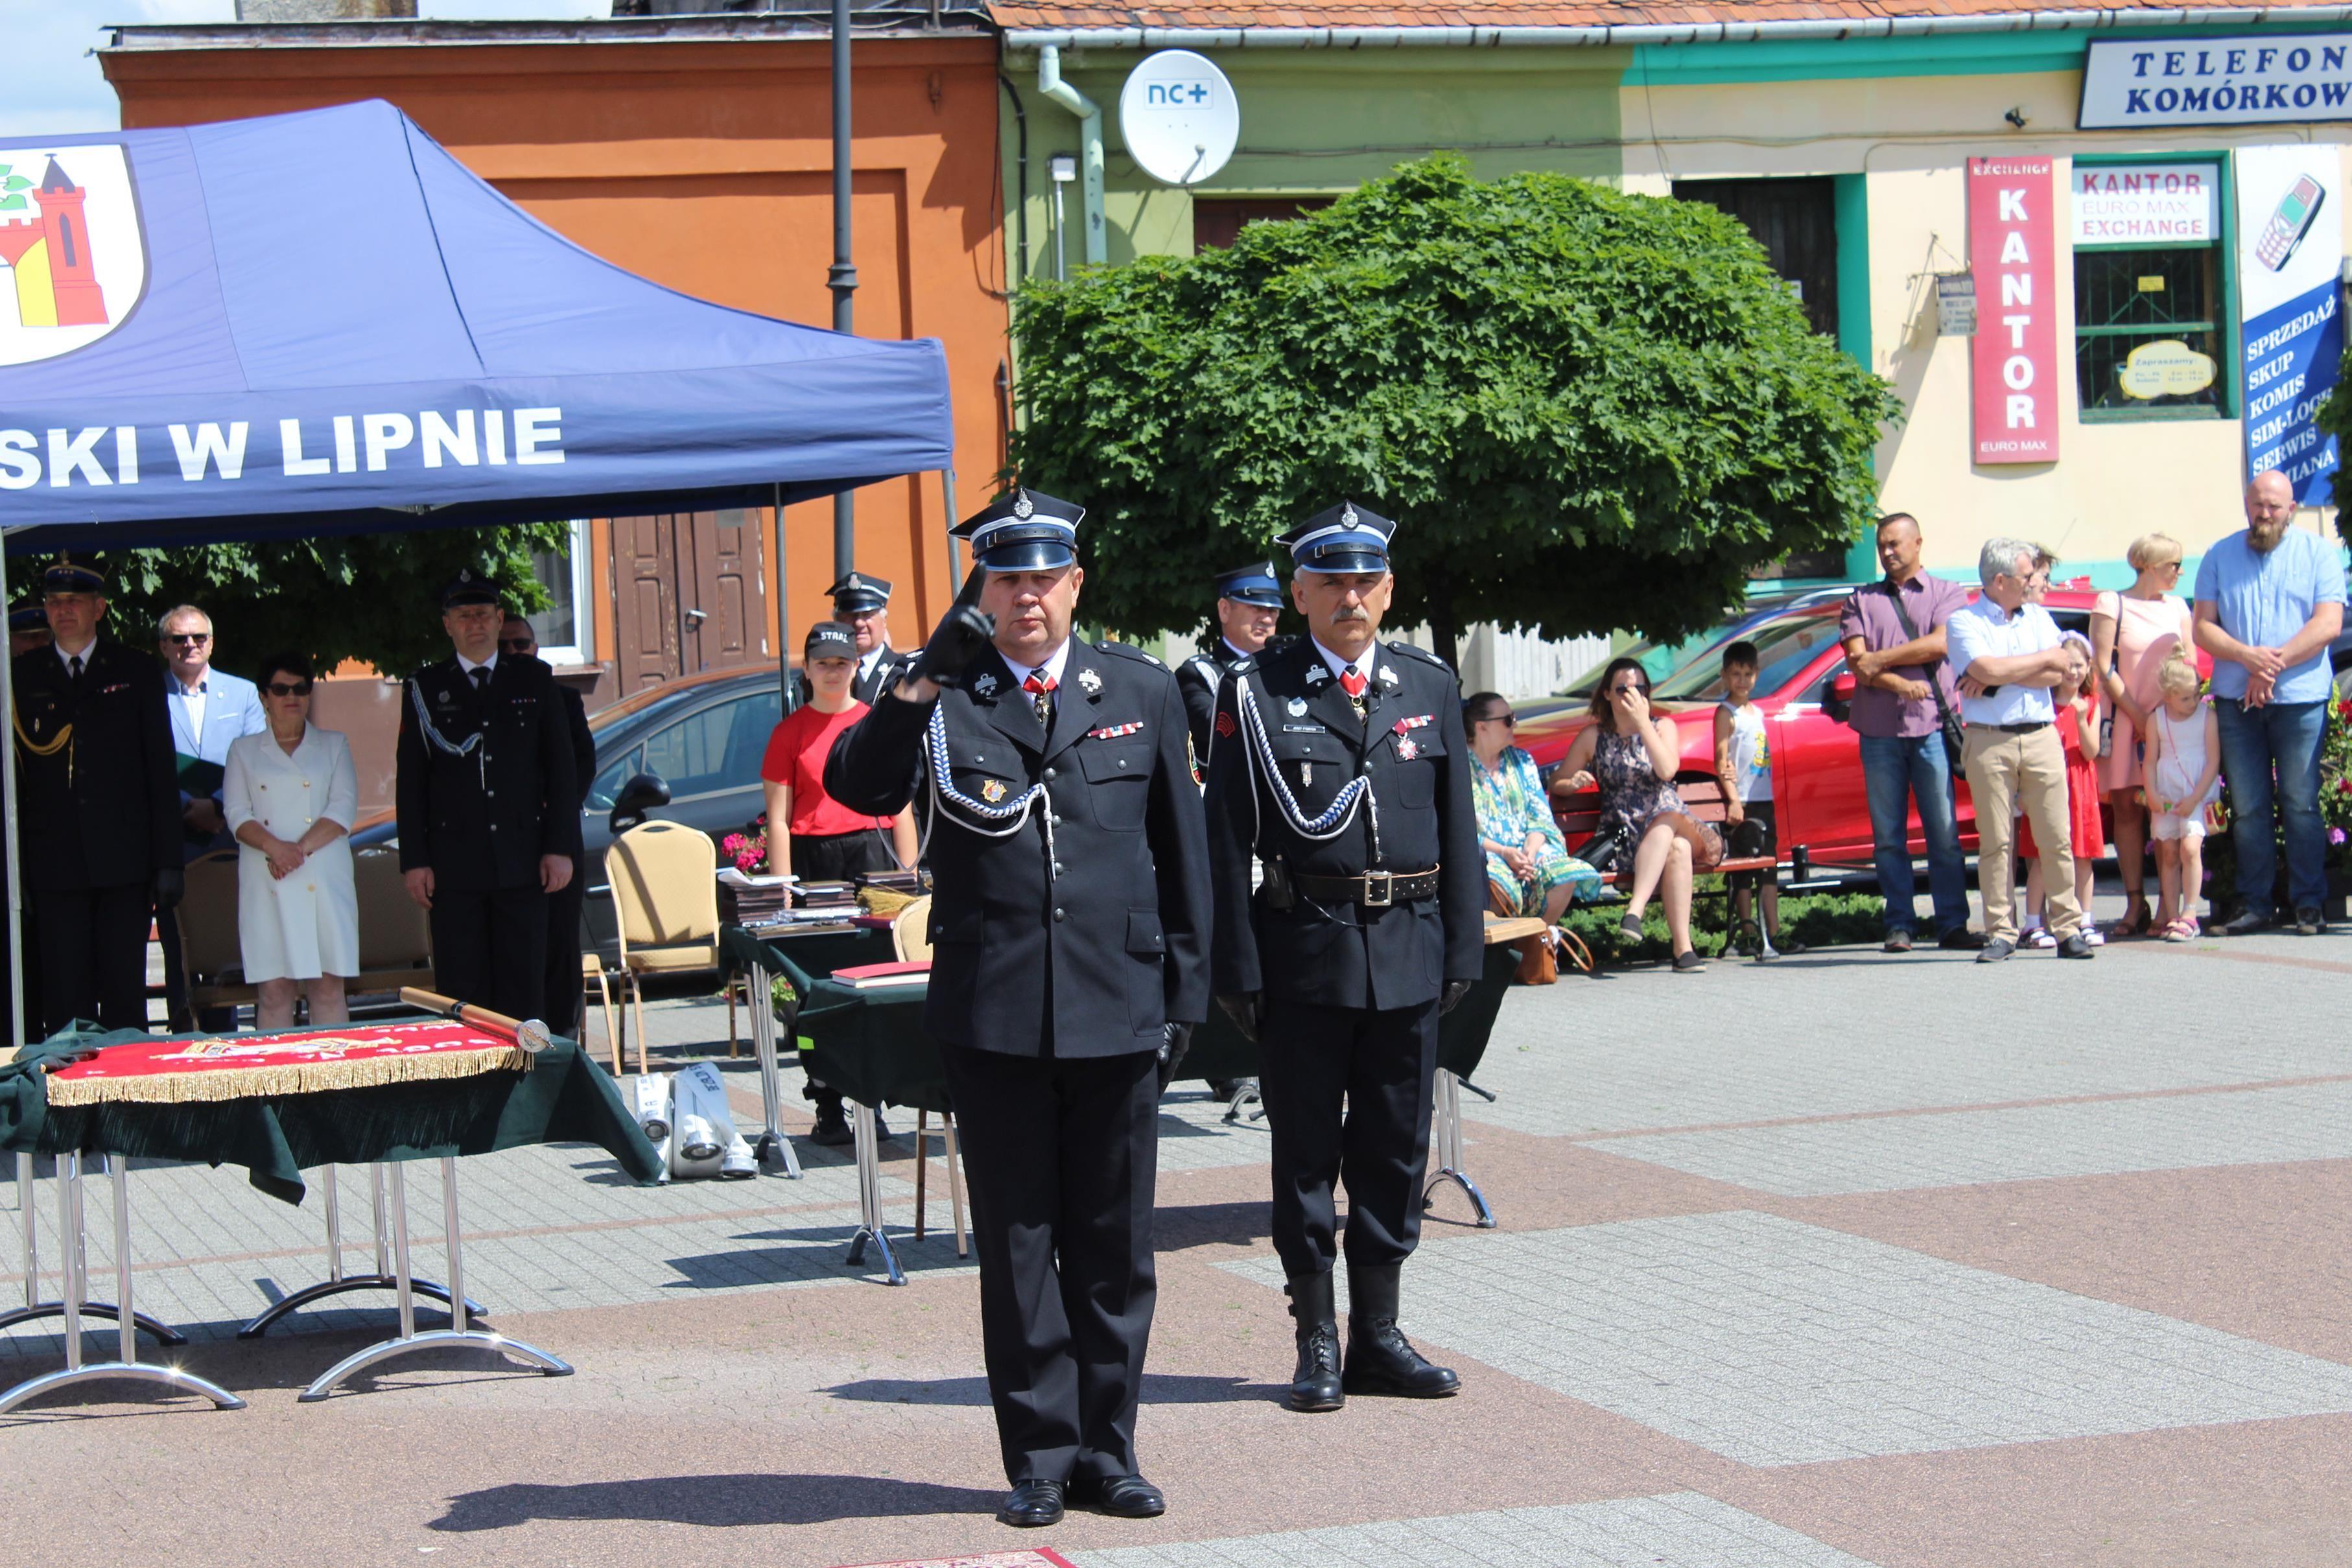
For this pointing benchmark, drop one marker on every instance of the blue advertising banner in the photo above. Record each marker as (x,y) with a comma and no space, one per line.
(2290,252)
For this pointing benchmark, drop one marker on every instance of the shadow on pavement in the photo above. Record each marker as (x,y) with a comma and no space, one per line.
(1211,1224)
(1158,1389)
(740,1499)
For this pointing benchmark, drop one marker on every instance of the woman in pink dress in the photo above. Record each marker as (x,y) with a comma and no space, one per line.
(2131,633)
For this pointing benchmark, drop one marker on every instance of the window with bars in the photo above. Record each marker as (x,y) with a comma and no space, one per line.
(2150,330)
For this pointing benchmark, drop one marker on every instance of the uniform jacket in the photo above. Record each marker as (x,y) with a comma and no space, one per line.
(103,809)
(481,816)
(1087,951)
(1410,747)
(888,669)
(1200,678)
(583,743)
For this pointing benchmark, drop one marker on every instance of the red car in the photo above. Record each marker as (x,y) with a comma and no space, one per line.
(1802,686)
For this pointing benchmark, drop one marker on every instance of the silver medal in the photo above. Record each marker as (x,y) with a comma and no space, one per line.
(1297,708)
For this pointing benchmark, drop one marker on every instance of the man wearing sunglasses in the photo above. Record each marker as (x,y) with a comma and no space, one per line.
(209,709)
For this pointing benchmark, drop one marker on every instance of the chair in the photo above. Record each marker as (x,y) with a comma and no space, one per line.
(395,936)
(910,930)
(665,894)
(592,981)
(911,934)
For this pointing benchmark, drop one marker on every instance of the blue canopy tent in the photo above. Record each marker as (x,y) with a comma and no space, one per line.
(321,322)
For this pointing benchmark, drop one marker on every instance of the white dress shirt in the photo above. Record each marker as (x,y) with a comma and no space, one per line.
(1362,665)
(1056,662)
(1985,631)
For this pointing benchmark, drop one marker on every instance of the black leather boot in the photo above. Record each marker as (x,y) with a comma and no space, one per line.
(1380,1360)
(1314,1381)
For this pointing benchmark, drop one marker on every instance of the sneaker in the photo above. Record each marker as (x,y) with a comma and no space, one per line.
(2040,938)
(1961,939)
(2184,929)
(2309,922)
(2076,945)
(1897,941)
(1995,950)
(2245,924)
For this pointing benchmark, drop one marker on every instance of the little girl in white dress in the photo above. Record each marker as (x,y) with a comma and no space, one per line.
(2183,773)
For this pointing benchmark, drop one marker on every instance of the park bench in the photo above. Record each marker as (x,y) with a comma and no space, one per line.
(1578,817)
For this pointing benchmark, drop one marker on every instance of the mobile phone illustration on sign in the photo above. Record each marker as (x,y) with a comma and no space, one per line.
(2289,222)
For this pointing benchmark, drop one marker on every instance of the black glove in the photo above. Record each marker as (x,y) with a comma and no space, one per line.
(961,635)
(1455,991)
(1243,1007)
(169,885)
(1175,1040)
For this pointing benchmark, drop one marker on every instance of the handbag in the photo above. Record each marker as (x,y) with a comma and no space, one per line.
(1947,720)
(1608,847)
(2114,667)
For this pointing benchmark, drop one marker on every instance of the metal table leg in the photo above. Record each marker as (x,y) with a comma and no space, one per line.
(74,1260)
(1245,1094)
(404,1283)
(337,1283)
(34,1308)
(772,1149)
(1446,1140)
(869,1194)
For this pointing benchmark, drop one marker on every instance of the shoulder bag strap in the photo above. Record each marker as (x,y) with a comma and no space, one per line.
(1943,709)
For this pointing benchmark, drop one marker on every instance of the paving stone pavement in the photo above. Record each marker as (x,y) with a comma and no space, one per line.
(1848,1261)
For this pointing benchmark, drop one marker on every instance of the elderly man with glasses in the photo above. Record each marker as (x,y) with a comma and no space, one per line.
(210,710)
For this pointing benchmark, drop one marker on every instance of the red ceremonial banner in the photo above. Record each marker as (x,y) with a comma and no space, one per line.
(243,1066)
(2012,253)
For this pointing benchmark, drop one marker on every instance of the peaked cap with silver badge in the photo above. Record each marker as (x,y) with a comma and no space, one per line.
(1345,538)
(1024,531)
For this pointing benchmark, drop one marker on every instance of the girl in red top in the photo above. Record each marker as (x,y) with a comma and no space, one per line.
(809,834)
(2078,736)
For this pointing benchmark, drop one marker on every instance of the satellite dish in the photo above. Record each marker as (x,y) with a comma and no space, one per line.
(1180,116)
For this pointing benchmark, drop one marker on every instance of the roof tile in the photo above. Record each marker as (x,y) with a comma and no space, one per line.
(1235,14)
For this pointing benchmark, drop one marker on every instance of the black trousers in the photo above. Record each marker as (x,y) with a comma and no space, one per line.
(1348,1095)
(490,947)
(93,946)
(838,857)
(1061,1154)
(561,1011)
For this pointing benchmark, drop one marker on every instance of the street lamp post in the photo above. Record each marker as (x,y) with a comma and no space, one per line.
(843,276)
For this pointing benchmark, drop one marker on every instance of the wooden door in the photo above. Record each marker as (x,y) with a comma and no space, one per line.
(645,601)
(723,589)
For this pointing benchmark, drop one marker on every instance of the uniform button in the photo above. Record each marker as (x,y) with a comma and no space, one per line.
(1060,916)
(1049,773)
(1122,764)
(1057,868)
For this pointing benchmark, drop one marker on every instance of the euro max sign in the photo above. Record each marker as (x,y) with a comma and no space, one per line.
(2133,83)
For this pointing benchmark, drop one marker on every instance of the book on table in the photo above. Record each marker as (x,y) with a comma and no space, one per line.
(870,977)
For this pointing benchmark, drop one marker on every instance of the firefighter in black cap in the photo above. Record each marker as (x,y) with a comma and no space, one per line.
(489,805)
(861,601)
(1249,604)
(1069,929)
(1339,764)
(98,817)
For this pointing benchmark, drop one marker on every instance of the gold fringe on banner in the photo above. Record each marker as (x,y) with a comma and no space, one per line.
(290,1078)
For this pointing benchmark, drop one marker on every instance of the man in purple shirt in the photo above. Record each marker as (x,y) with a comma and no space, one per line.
(1902,688)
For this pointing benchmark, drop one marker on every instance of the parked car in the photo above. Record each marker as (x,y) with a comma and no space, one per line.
(1803,687)
(700,738)
(1663,660)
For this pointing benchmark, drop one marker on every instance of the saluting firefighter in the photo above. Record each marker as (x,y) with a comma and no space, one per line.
(1249,603)
(1339,764)
(1069,926)
(488,804)
(98,817)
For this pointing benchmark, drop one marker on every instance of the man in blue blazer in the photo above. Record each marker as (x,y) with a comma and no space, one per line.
(209,709)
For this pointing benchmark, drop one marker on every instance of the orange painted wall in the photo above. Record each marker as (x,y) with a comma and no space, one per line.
(706,166)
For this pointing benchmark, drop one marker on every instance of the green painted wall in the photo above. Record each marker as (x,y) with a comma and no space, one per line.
(1945,55)
(1320,122)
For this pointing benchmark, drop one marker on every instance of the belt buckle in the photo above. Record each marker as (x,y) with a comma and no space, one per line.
(1386,882)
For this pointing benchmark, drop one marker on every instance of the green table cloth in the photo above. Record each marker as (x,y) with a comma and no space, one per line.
(562,1098)
(1219,1051)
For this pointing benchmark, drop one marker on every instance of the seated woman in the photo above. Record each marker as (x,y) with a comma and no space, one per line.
(1528,862)
(290,795)
(1633,754)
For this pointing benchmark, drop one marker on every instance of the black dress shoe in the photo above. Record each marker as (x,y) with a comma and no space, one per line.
(1032,1504)
(1380,1360)
(1961,939)
(1315,1383)
(1897,941)
(1123,1497)
(1994,950)
(2074,944)
(832,1131)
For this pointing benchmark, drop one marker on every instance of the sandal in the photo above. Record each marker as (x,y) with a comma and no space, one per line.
(2139,921)
(2039,937)
(2184,929)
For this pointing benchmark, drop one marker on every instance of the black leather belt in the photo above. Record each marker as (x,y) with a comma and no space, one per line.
(1373,890)
(2016,728)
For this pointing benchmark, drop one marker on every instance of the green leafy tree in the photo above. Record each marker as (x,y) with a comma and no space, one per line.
(372,596)
(1589,409)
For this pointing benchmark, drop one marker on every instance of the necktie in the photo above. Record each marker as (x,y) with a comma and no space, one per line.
(73,668)
(1354,682)
(481,675)
(1041,696)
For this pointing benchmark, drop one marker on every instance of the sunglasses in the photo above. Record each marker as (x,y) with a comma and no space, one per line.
(285,689)
(516,644)
(1629,687)
(1507,720)
(188,639)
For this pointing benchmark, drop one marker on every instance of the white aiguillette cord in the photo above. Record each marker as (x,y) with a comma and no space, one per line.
(1014,814)
(1335,816)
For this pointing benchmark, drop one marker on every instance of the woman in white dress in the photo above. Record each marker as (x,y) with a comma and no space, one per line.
(291,795)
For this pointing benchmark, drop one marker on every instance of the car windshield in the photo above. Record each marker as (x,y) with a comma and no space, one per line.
(1665,662)
(1783,649)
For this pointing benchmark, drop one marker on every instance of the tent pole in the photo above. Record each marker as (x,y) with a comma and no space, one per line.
(8,825)
(843,278)
(783,616)
(955,545)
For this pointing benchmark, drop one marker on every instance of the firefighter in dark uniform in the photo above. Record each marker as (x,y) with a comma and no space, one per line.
(98,808)
(1069,932)
(861,602)
(561,1013)
(28,630)
(1339,764)
(1249,604)
(489,806)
